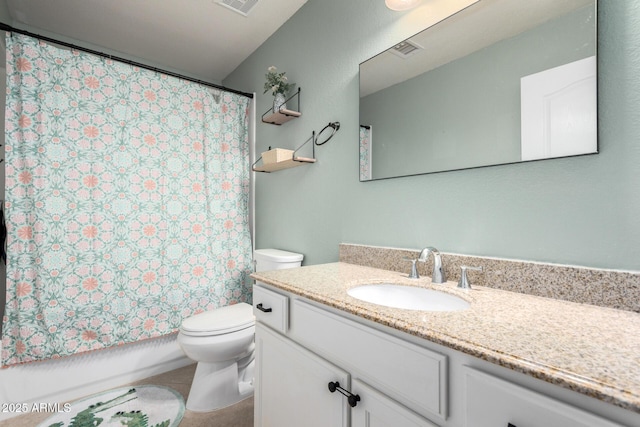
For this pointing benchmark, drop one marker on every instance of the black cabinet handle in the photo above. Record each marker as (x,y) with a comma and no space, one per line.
(265,310)
(353,399)
(511,425)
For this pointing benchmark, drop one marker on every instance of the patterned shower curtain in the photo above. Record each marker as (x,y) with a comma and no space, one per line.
(366,134)
(126,202)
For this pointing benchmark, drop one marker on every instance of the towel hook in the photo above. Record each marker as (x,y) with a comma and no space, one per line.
(334,126)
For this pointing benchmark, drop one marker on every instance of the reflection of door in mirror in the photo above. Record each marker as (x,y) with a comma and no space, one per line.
(558,111)
(366,133)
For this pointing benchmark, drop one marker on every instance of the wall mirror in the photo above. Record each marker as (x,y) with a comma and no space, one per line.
(501,81)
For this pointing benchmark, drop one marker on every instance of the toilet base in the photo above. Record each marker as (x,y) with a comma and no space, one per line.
(218,385)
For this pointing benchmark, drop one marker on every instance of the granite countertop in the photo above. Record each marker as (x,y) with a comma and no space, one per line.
(588,349)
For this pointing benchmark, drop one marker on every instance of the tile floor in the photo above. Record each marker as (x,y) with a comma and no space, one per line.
(239,415)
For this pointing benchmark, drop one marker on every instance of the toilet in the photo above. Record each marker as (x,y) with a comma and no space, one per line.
(222,342)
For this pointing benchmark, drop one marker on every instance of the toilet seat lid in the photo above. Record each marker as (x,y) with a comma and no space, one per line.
(220,321)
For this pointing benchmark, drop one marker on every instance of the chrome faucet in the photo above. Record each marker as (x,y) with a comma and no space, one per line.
(438,275)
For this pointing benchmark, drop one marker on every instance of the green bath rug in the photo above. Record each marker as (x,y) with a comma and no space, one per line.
(139,406)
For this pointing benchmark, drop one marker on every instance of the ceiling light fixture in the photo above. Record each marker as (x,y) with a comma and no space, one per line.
(401,4)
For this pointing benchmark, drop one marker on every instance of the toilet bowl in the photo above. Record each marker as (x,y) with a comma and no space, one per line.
(222,342)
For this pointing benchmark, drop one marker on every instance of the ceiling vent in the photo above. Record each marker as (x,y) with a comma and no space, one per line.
(406,48)
(243,7)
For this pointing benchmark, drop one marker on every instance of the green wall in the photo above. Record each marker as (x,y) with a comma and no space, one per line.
(581,211)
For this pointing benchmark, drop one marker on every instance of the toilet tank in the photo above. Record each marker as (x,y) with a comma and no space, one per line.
(275,259)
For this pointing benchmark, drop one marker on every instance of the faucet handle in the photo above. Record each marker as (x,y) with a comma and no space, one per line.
(463,283)
(414,271)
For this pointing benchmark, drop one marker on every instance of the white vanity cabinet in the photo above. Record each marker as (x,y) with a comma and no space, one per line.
(401,381)
(294,368)
(491,401)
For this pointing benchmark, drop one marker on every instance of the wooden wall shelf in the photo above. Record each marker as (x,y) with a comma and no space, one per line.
(285,164)
(283,115)
(280,117)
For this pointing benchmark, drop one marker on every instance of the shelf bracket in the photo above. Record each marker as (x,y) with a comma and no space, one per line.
(313,148)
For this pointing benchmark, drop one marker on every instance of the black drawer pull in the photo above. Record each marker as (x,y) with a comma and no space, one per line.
(511,425)
(265,310)
(353,399)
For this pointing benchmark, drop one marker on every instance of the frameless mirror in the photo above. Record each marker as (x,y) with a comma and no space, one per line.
(502,81)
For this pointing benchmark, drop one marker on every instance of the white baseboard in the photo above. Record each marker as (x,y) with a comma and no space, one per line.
(62,380)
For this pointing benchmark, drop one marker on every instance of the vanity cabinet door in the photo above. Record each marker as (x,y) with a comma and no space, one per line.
(493,402)
(291,385)
(377,410)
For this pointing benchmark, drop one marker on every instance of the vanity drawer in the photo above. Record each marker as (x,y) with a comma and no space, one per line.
(271,308)
(405,372)
(491,401)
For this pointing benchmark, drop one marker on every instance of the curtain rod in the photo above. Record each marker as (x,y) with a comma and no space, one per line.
(9,28)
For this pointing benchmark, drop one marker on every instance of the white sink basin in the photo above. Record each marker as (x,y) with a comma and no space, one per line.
(408,297)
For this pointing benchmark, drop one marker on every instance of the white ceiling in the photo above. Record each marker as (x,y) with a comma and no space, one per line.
(200,38)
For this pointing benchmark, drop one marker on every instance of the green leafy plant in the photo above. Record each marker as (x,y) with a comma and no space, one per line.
(277,82)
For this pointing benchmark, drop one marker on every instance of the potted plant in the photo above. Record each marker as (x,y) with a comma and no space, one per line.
(279,86)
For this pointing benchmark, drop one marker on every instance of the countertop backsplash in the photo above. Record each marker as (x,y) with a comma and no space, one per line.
(600,287)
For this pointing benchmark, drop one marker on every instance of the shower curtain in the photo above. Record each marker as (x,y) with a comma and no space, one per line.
(366,135)
(127,198)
